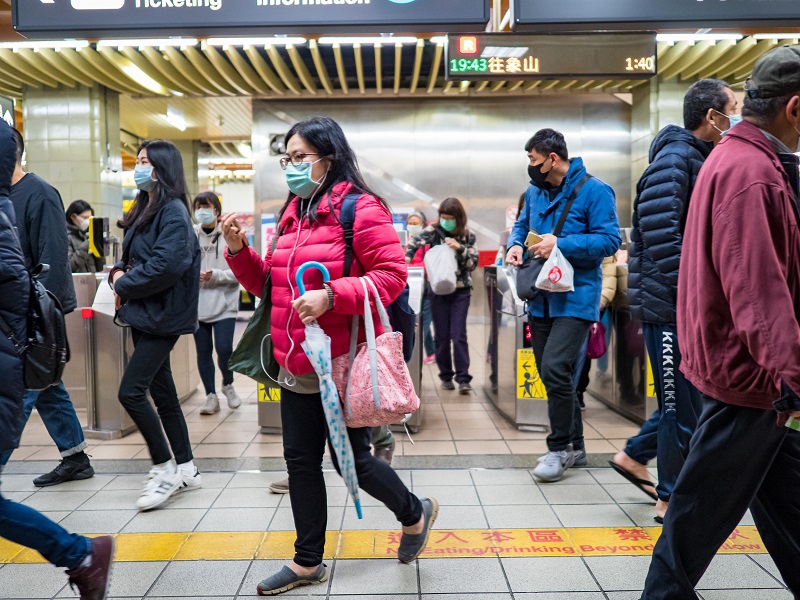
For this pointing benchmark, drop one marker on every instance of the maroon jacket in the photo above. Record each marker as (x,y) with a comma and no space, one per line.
(739,282)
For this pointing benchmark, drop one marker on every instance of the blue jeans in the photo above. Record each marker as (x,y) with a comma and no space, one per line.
(25,526)
(58,414)
(223,340)
(679,406)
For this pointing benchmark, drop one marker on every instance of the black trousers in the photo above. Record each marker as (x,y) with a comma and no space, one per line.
(450,326)
(557,343)
(738,458)
(148,369)
(304,434)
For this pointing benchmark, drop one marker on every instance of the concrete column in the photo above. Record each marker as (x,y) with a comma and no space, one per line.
(190,151)
(72,141)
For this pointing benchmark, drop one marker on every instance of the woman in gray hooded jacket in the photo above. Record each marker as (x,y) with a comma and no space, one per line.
(219,303)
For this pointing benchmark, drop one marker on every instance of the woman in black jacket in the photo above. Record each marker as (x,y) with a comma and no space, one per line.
(88,561)
(157,285)
(81,260)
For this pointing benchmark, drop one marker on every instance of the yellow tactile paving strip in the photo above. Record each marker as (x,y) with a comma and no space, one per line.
(461,543)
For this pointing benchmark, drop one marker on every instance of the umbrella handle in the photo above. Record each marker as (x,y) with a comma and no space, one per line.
(326,276)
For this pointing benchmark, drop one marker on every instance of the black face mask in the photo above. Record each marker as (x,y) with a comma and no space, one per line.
(537,176)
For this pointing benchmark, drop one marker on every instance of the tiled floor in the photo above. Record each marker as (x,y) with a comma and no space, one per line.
(489,500)
(453,425)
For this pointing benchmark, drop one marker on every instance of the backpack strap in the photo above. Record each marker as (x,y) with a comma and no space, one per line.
(347,219)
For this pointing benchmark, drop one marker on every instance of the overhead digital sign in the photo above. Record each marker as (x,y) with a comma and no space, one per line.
(594,15)
(502,57)
(115,18)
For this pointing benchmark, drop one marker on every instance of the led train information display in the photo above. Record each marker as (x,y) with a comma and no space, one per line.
(501,57)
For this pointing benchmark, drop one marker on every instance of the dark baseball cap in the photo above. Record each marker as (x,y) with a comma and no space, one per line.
(776,73)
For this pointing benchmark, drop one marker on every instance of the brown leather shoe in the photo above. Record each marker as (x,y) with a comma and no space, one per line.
(385,454)
(94,579)
(279,487)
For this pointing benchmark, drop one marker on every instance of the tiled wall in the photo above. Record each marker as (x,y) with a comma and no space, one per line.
(72,140)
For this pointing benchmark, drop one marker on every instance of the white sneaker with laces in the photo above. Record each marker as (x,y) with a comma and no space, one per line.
(158,487)
(191,477)
(234,401)
(211,406)
(552,465)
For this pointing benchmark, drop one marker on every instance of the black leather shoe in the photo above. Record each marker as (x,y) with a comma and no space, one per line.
(74,467)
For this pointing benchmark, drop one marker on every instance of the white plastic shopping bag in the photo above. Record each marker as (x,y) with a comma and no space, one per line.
(441,267)
(557,274)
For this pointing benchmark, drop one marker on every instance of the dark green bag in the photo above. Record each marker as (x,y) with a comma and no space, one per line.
(253,355)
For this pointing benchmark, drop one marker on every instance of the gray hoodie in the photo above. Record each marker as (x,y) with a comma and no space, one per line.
(219,297)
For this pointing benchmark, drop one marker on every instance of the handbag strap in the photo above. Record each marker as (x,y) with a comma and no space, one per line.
(562,219)
(372,348)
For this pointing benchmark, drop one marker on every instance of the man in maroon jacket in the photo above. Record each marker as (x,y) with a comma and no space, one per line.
(739,322)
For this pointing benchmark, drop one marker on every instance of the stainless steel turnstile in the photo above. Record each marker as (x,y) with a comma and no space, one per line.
(512,382)
(416,288)
(105,349)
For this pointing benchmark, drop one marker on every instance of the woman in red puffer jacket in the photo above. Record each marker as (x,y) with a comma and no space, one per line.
(321,170)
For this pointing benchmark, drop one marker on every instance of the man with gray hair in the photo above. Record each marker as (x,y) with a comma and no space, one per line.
(739,324)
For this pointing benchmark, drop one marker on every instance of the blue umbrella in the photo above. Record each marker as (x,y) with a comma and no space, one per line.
(317,347)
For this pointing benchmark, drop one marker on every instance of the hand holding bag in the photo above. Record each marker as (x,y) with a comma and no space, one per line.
(528,273)
(441,268)
(557,275)
(373,379)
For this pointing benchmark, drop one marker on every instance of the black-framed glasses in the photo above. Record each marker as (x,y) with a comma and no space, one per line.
(295,160)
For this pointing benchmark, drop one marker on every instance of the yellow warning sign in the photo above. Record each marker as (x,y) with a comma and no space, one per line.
(529,384)
(268,394)
(443,543)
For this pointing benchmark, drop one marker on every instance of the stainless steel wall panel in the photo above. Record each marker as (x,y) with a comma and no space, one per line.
(419,151)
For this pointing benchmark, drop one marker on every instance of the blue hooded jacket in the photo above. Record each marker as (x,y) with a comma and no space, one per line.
(590,233)
(14,294)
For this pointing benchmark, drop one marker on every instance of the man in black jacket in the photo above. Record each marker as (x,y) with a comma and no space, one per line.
(43,237)
(659,217)
(88,561)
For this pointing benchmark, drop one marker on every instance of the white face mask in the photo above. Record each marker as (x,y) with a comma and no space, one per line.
(413,230)
(83,224)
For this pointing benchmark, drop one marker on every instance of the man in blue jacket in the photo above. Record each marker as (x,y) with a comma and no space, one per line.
(560,321)
(88,561)
(659,217)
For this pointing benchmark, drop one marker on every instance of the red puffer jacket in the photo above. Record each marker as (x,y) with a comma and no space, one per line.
(376,250)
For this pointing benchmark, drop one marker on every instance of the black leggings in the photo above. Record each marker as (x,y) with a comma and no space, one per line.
(304,435)
(223,341)
(148,369)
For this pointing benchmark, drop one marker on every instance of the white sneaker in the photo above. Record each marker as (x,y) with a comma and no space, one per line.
(212,405)
(191,477)
(552,465)
(233,398)
(158,487)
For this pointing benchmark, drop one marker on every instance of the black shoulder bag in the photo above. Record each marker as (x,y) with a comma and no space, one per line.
(528,273)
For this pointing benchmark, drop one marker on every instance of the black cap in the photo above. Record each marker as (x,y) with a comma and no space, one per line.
(777,73)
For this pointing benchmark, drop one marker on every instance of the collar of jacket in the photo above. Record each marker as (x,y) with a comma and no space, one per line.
(751,134)
(574,175)
(336,195)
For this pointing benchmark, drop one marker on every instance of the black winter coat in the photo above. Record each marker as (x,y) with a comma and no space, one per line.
(162,287)
(14,294)
(659,216)
(43,237)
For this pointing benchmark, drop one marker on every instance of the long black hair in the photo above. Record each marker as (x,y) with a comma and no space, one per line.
(168,166)
(327,138)
(76,208)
